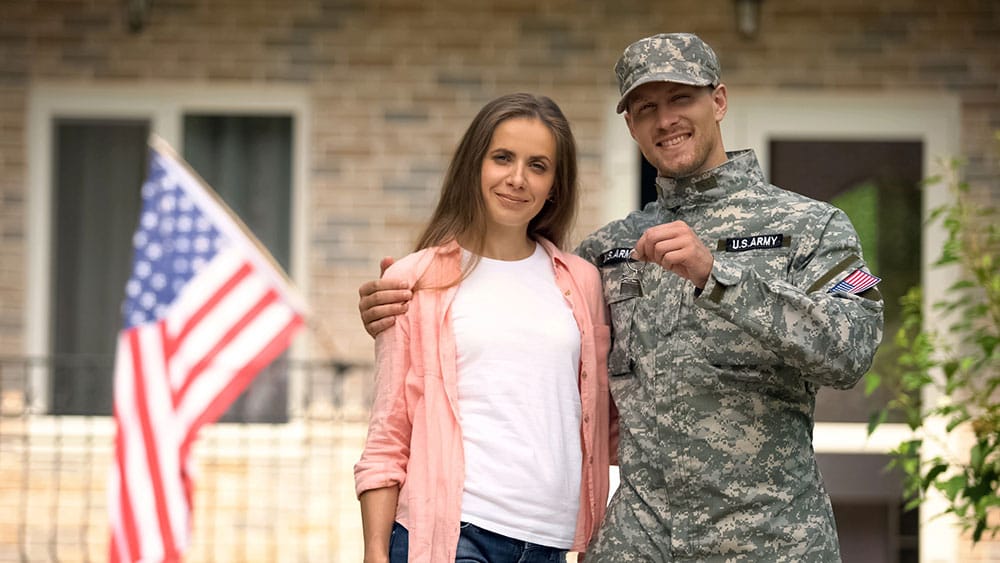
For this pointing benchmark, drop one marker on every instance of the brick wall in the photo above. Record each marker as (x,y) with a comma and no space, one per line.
(393,83)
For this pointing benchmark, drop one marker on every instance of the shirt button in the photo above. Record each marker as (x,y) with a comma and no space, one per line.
(590,460)
(583,375)
(586,418)
(567,293)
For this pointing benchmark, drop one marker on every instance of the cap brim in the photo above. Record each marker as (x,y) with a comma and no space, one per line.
(661,77)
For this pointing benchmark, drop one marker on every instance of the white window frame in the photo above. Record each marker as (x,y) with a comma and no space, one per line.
(164,107)
(754,118)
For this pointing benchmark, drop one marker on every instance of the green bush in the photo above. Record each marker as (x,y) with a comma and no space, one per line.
(957,362)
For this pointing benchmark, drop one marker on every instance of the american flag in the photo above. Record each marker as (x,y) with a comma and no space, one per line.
(205,309)
(856,282)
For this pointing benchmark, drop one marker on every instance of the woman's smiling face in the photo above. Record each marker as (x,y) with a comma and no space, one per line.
(517,172)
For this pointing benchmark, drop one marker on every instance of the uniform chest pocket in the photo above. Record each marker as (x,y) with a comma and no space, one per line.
(622,299)
(768,263)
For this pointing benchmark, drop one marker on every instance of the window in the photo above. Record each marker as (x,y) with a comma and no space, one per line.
(96,172)
(92,147)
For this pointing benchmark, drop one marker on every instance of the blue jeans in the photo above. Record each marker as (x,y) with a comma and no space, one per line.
(476,545)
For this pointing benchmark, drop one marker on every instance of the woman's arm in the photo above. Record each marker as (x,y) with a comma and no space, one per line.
(382,467)
(378,512)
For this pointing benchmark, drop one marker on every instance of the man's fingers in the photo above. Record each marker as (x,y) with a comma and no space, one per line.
(374,301)
(379,311)
(374,287)
(641,251)
(378,318)
(375,327)
(385,263)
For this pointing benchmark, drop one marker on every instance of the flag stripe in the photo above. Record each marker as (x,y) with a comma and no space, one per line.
(208,305)
(270,297)
(212,276)
(203,337)
(134,471)
(167,433)
(242,378)
(231,359)
(152,457)
(124,521)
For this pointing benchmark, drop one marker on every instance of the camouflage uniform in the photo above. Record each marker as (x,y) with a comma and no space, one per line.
(716,391)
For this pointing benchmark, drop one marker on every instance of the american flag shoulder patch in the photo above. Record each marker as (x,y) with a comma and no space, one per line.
(856,282)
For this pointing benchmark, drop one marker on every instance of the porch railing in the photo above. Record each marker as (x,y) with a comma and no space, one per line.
(267,492)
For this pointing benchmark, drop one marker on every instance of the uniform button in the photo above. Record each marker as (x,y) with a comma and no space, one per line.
(567,293)
(583,375)
(590,460)
(586,418)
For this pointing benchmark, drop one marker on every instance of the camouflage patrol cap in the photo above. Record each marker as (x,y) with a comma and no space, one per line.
(666,57)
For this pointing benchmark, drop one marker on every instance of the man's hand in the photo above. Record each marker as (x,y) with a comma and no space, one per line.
(381,300)
(676,248)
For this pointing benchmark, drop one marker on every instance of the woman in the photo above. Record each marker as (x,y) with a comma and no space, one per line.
(489,435)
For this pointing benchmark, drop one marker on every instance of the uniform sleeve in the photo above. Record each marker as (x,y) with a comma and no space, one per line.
(387,447)
(830,338)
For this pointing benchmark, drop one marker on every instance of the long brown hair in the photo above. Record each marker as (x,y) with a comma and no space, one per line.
(461,210)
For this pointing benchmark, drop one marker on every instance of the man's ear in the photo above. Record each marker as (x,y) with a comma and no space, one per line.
(720,102)
(628,121)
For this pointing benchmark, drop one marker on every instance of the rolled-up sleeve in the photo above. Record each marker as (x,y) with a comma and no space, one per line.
(387,447)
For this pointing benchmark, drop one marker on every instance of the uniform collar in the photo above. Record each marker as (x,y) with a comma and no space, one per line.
(739,171)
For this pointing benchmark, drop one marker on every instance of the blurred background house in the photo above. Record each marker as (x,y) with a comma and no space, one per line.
(327,124)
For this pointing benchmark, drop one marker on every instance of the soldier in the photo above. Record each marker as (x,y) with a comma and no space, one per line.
(731,301)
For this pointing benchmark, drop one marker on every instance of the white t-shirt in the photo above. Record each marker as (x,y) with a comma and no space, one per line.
(518,351)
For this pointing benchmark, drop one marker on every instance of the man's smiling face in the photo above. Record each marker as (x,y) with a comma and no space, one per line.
(677,126)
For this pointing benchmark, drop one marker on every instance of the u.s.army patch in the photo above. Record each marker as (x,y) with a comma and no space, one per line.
(614,256)
(754,242)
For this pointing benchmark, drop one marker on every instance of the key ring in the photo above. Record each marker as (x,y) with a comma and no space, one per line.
(631,283)
(636,271)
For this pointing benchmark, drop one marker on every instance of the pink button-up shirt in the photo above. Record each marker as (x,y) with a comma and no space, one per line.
(414,438)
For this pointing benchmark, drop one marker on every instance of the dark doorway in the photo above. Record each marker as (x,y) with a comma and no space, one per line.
(877,183)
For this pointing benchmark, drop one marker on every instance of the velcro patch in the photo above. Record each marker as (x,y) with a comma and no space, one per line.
(614,256)
(856,282)
(755,242)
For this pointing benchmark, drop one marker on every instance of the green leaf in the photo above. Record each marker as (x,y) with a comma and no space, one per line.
(957,421)
(932,475)
(876,418)
(961,284)
(872,382)
(952,487)
(949,368)
(977,456)
(977,534)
